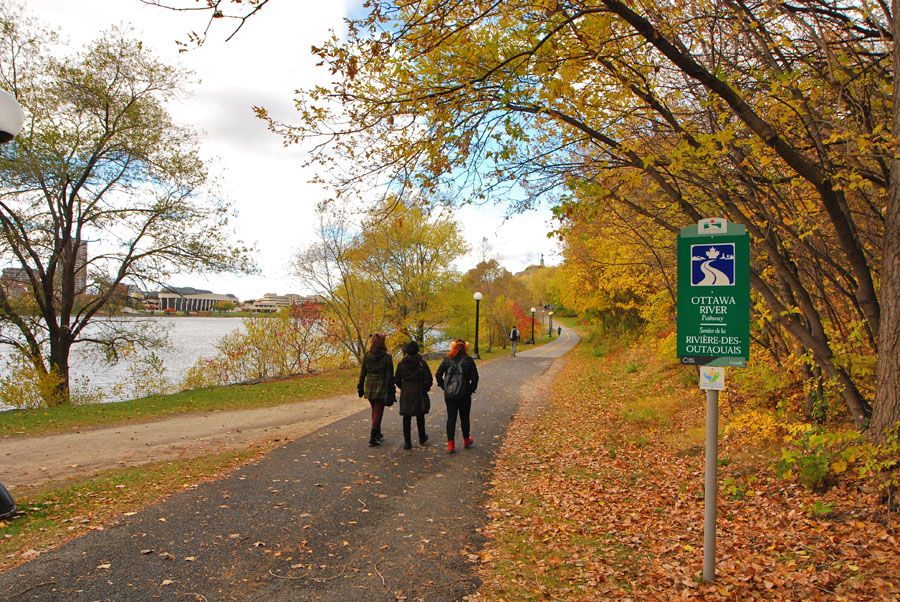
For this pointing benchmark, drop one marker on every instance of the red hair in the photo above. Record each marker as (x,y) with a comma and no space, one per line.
(456,347)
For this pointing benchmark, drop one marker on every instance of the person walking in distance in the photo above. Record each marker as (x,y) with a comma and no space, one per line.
(458,377)
(414,378)
(376,383)
(559,331)
(514,339)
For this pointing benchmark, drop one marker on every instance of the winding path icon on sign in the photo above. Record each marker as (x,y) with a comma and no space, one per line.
(712,265)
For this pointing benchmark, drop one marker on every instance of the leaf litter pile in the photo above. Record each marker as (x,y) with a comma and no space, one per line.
(600,496)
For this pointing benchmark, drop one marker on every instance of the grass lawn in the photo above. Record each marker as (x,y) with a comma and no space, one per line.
(235,397)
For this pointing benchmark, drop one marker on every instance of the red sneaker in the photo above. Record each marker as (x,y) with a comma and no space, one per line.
(467,443)
(451,446)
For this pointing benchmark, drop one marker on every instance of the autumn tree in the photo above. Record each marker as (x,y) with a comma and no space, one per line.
(773,115)
(100,160)
(386,272)
(354,301)
(503,292)
(617,269)
(223,306)
(411,253)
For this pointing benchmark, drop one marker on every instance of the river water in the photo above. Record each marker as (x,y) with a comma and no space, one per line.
(189,339)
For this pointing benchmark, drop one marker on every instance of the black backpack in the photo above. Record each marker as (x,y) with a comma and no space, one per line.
(514,334)
(454,381)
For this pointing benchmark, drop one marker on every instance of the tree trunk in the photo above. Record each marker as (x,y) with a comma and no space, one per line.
(886,412)
(58,395)
(859,408)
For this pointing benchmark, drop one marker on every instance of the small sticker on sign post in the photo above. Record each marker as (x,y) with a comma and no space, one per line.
(712,378)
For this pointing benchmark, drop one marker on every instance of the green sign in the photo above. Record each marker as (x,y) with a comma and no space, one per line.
(714,294)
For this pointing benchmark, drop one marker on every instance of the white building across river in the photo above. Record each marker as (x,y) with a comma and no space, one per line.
(192,299)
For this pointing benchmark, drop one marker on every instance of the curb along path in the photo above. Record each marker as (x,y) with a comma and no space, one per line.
(322,518)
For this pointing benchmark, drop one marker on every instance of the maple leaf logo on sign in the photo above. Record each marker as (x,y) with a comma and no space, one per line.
(712,225)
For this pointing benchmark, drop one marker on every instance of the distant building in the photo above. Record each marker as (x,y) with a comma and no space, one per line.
(15,281)
(15,275)
(151,301)
(81,259)
(190,299)
(271,302)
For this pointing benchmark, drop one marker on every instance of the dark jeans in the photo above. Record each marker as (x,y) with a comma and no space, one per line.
(407,428)
(461,407)
(377,414)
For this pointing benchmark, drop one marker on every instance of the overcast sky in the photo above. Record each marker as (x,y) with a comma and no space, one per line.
(263,65)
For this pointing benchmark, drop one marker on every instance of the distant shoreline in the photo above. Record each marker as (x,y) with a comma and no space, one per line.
(162,314)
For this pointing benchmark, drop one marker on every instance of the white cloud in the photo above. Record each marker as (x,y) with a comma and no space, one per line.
(263,65)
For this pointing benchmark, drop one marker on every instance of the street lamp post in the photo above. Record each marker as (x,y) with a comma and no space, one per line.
(550,328)
(12,119)
(532,325)
(477,297)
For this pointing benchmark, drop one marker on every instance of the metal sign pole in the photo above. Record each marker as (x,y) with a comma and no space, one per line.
(713,332)
(711,488)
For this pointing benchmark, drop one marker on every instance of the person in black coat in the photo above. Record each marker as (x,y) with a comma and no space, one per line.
(458,377)
(376,383)
(414,378)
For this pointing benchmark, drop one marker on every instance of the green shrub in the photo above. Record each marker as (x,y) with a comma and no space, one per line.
(733,489)
(820,509)
(817,457)
(808,458)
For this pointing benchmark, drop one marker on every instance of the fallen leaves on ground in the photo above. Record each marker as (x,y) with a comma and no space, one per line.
(600,496)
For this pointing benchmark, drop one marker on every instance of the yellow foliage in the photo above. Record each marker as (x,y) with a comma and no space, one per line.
(24,386)
(756,426)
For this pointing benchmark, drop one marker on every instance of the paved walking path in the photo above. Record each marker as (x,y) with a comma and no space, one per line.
(322,518)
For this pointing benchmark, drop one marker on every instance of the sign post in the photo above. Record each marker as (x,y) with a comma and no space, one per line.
(713,332)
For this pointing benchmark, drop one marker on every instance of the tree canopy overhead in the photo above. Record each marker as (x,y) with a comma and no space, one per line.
(775,115)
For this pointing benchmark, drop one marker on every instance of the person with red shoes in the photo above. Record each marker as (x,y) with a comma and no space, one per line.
(458,377)
(376,383)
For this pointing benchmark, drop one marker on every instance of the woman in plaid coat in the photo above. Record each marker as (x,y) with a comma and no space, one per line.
(376,383)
